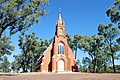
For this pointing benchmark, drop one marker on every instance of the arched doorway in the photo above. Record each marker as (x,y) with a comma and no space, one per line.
(60,65)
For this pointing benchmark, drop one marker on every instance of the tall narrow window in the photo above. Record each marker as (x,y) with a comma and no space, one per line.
(60,48)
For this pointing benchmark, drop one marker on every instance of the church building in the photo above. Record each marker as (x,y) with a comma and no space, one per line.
(58,57)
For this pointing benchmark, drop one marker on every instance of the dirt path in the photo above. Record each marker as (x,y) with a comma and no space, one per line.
(60,76)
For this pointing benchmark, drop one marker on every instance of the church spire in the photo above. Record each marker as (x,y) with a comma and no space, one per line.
(60,22)
(60,30)
(60,14)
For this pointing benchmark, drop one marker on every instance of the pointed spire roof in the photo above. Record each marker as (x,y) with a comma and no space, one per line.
(60,30)
(60,22)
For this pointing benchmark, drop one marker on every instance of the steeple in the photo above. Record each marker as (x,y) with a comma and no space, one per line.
(60,21)
(60,31)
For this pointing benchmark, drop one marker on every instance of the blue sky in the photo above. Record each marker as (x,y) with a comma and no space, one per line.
(80,17)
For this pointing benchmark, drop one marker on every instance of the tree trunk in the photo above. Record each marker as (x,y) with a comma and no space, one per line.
(2,29)
(1,33)
(93,67)
(112,57)
(75,53)
(32,67)
(23,67)
(104,66)
(113,63)
(94,62)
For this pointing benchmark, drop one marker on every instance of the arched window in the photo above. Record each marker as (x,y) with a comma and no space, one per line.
(60,48)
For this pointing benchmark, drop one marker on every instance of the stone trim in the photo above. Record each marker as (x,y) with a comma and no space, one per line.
(69,57)
(42,63)
(53,56)
(43,58)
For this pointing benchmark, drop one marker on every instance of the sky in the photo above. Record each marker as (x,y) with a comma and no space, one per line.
(80,17)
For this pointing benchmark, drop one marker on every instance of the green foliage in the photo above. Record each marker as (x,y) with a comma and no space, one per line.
(110,33)
(15,66)
(69,41)
(117,68)
(31,50)
(114,12)
(101,49)
(78,62)
(73,43)
(118,41)
(5,64)
(93,46)
(5,47)
(19,15)
(76,43)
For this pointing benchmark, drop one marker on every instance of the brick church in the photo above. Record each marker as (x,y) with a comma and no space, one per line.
(58,57)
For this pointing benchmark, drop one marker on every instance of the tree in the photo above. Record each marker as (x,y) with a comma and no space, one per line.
(70,41)
(19,15)
(76,43)
(92,45)
(28,47)
(78,62)
(106,60)
(31,50)
(15,65)
(86,62)
(5,47)
(110,33)
(114,12)
(5,65)
(118,41)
